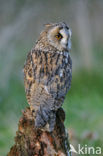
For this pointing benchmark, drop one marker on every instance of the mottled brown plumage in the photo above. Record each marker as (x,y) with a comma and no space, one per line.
(48,73)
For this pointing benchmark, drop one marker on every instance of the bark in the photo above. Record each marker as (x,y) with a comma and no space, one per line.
(30,141)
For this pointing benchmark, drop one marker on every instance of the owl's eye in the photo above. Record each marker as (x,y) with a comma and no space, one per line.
(59,36)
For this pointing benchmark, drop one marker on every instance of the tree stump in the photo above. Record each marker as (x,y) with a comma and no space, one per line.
(30,141)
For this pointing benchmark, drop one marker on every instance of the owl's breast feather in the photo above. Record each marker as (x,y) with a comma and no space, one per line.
(54,69)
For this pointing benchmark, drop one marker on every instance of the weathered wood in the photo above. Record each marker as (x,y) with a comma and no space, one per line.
(30,141)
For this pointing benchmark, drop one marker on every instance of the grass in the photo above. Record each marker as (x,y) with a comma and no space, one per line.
(83,106)
(84,109)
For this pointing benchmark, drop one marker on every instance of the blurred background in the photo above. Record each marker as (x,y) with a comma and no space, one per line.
(21,21)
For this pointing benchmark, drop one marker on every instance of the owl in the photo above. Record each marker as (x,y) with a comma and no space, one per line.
(48,73)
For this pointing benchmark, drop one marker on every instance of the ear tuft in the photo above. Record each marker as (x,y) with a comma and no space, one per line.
(48,25)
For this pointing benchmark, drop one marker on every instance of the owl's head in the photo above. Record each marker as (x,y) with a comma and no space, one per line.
(57,35)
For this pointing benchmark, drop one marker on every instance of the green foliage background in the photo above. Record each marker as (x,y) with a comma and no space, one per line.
(20,25)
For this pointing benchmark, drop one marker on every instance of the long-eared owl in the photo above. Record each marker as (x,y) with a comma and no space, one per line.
(48,73)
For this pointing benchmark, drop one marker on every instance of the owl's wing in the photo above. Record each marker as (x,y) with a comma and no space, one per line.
(35,80)
(37,93)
